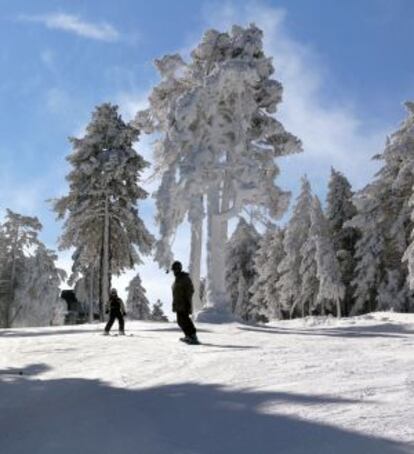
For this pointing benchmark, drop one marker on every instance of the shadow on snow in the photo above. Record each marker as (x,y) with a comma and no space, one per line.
(21,332)
(72,415)
(388,330)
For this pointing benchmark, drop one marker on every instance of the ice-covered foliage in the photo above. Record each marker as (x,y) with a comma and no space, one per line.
(330,287)
(240,271)
(265,294)
(137,303)
(384,220)
(38,291)
(217,145)
(19,235)
(157,314)
(87,291)
(307,299)
(29,279)
(339,210)
(100,211)
(296,235)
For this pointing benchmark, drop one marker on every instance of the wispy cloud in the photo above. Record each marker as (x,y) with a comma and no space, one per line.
(75,24)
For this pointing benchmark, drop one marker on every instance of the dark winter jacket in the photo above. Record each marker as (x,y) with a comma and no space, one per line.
(115,304)
(182,291)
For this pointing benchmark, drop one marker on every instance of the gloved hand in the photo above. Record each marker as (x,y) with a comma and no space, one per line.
(106,311)
(124,314)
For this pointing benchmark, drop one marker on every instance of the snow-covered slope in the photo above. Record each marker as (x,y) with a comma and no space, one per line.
(316,386)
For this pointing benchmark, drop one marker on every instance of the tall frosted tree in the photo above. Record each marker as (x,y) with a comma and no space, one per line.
(19,234)
(307,298)
(404,139)
(38,292)
(340,209)
(219,140)
(330,287)
(265,294)
(100,211)
(240,271)
(29,278)
(384,220)
(137,302)
(296,234)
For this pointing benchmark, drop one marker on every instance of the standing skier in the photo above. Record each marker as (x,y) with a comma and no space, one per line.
(182,291)
(116,309)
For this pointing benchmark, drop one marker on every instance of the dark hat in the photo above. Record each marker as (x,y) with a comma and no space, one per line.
(177,266)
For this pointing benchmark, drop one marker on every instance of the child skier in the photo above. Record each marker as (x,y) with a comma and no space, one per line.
(116,309)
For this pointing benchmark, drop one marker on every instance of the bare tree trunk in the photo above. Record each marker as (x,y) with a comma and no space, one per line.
(100,297)
(196,219)
(218,305)
(338,308)
(105,258)
(9,304)
(91,292)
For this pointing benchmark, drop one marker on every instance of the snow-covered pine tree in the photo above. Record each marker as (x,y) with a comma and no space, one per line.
(87,290)
(218,143)
(29,278)
(307,298)
(265,294)
(19,234)
(157,314)
(240,272)
(384,220)
(100,211)
(296,234)
(330,287)
(260,265)
(405,139)
(137,303)
(340,209)
(38,292)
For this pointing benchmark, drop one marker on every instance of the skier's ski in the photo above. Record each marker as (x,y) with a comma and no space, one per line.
(117,335)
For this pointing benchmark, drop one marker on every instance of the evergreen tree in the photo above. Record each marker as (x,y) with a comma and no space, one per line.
(38,292)
(308,293)
(240,273)
(137,303)
(330,287)
(296,235)
(157,314)
(29,278)
(384,220)
(265,293)
(100,212)
(218,146)
(19,234)
(340,209)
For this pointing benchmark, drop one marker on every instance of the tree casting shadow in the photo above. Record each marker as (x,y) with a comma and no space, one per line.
(67,416)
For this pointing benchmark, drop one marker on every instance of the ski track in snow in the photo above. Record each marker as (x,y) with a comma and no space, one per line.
(317,386)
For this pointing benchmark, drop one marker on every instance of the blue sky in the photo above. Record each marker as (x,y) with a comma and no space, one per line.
(346,67)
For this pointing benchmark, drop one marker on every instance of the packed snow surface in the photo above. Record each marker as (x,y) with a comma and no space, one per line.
(314,386)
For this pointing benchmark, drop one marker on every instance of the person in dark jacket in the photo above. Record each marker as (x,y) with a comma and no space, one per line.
(182,291)
(116,309)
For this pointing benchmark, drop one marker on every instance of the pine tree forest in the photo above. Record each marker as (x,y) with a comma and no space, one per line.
(216,138)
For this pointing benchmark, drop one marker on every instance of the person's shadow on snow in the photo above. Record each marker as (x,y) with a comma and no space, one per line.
(76,415)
